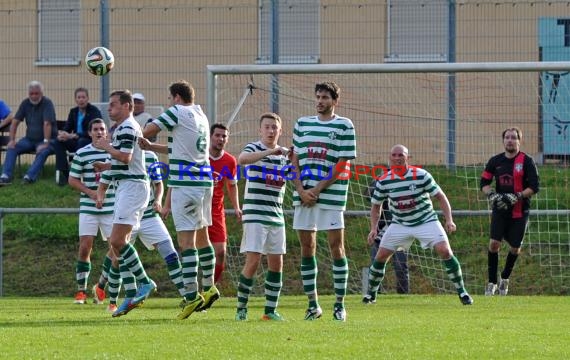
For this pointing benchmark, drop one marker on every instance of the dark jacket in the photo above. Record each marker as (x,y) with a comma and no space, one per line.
(92,112)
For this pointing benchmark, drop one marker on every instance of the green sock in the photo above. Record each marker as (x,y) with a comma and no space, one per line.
(375,276)
(244,290)
(114,284)
(129,256)
(82,270)
(340,276)
(454,273)
(273,285)
(104,277)
(309,271)
(175,272)
(190,273)
(207,258)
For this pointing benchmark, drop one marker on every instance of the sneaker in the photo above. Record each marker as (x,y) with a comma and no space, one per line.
(274,316)
(491,289)
(466,299)
(112,308)
(4,180)
(98,295)
(241,314)
(339,314)
(503,287)
(27,180)
(125,307)
(210,297)
(313,313)
(183,303)
(143,292)
(369,299)
(80,298)
(190,307)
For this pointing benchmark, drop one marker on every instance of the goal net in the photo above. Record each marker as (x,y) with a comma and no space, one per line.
(450,116)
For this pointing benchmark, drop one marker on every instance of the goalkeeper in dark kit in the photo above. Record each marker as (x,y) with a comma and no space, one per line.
(516,181)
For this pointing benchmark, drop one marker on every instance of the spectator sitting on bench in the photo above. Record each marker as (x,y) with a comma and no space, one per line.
(74,135)
(41,130)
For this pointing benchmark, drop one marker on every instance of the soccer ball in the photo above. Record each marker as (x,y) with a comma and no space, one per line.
(99,60)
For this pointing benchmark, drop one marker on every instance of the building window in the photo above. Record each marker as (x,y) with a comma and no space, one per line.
(417,30)
(295,27)
(59,31)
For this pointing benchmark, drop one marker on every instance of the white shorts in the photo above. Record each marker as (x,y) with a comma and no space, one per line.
(90,224)
(191,207)
(151,231)
(131,198)
(315,218)
(428,235)
(263,239)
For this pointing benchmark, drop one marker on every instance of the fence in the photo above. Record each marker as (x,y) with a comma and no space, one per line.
(157,44)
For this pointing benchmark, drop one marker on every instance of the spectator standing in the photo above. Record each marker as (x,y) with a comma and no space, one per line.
(141,116)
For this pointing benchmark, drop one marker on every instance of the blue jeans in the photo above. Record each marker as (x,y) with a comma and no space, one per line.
(23,146)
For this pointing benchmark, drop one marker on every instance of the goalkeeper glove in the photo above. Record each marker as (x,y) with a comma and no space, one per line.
(510,198)
(493,197)
(497,201)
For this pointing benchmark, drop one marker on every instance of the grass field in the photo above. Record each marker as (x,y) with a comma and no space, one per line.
(40,250)
(398,326)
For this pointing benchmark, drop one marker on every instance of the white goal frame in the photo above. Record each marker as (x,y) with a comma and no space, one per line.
(214,70)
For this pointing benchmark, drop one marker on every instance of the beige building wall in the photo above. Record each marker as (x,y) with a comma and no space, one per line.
(156,44)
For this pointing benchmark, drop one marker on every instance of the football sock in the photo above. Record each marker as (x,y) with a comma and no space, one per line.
(273,285)
(340,276)
(218,270)
(207,258)
(375,276)
(129,256)
(104,277)
(244,290)
(454,273)
(309,273)
(82,270)
(190,273)
(114,285)
(128,279)
(509,265)
(175,272)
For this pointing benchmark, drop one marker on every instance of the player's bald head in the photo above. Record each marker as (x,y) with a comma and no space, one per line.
(399,148)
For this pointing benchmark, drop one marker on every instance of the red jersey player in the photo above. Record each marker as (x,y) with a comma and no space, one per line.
(224,169)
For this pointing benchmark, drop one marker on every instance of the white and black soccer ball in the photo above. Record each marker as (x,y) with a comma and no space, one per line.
(99,60)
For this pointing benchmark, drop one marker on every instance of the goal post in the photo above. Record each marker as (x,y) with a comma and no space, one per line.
(450,115)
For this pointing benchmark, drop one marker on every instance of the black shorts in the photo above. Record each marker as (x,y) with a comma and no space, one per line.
(504,227)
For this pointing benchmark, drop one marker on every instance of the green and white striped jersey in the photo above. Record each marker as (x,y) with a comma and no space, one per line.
(125,140)
(82,169)
(188,143)
(319,145)
(264,189)
(151,158)
(408,195)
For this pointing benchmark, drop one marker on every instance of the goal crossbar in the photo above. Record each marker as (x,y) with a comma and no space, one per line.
(214,70)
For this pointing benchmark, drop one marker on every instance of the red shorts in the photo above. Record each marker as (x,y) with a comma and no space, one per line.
(217,231)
